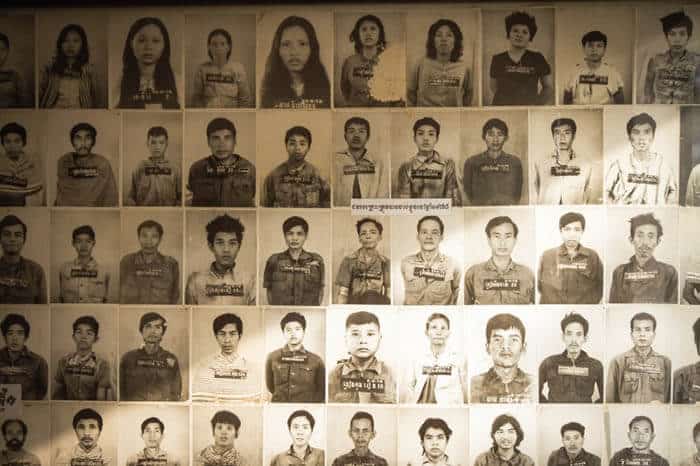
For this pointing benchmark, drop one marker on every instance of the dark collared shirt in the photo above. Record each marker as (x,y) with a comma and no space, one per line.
(686,384)
(18,458)
(566,280)
(655,282)
(433,177)
(22,283)
(149,377)
(353,459)
(347,383)
(228,183)
(561,458)
(299,187)
(489,388)
(489,181)
(675,79)
(627,457)
(295,376)
(156,182)
(634,378)
(571,381)
(154,282)
(312,457)
(294,282)
(28,369)
(485,284)
(360,273)
(85,181)
(79,379)
(492,458)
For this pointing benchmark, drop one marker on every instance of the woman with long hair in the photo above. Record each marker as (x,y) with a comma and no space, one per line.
(68,81)
(147,77)
(294,75)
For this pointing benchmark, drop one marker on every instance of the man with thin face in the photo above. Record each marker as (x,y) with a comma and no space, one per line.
(500,280)
(644,176)
(358,174)
(227,375)
(85,179)
(564,176)
(572,452)
(152,432)
(19,365)
(148,276)
(21,175)
(695,458)
(150,373)
(82,280)
(14,432)
(570,273)
(640,375)
(22,281)
(506,435)
(493,177)
(224,178)
(686,380)
(572,376)
(301,426)
(640,434)
(157,181)
(225,427)
(434,436)
(430,277)
(87,425)
(504,382)
(296,182)
(643,279)
(361,432)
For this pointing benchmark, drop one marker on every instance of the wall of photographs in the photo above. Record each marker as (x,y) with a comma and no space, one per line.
(184,281)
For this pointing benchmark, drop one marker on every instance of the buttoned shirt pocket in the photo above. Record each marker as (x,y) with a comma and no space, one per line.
(312,194)
(584,385)
(243,186)
(160,289)
(630,382)
(205,189)
(284,195)
(657,383)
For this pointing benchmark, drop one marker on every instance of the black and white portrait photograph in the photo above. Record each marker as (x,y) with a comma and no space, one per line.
(493,162)
(362,435)
(517,56)
(573,436)
(151,261)
(72,58)
(442,50)
(503,433)
(152,162)
(85,256)
(639,434)
(433,436)
(17,73)
(83,161)
(685,443)
(220,59)
(370,59)
(227,361)
(26,437)
(221,257)
(295,252)
(220,159)
(294,59)
(145,59)
(595,63)
(685,357)
(153,433)
(86,432)
(689,182)
(23,156)
(154,356)
(294,435)
(690,257)
(84,353)
(226,435)
(566,153)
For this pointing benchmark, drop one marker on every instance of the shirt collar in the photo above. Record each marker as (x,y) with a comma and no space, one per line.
(636,353)
(307,453)
(364,156)
(295,171)
(572,156)
(303,256)
(24,352)
(74,357)
(491,265)
(580,251)
(91,264)
(434,158)
(443,461)
(650,264)
(375,365)
(214,272)
(286,350)
(492,376)
(141,258)
(582,356)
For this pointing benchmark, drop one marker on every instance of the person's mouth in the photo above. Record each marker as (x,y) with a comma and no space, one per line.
(505,355)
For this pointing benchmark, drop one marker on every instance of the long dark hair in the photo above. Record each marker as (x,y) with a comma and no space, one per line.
(163,75)
(355,34)
(276,84)
(60,63)
(458,48)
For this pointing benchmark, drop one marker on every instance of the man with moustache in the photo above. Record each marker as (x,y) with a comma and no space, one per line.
(572,452)
(152,431)
(87,425)
(85,179)
(21,176)
(22,281)
(14,431)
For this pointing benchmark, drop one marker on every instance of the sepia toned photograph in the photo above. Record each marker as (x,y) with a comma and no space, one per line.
(684,448)
(690,257)
(503,433)
(294,434)
(17,57)
(685,357)
(26,437)
(23,155)
(574,436)
(226,435)
(639,433)
(689,182)
(433,436)
(84,433)
(153,434)
(362,435)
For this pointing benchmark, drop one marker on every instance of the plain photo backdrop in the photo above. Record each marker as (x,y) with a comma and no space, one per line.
(171,241)
(689,150)
(385,428)
(175,439)
(39,340)
(64,438)
(683,446)
(34,122)
(690,252)
(276,436)
(249,442)
(481,418)
(551,418)
(38,439)
(617,421)
(684,351)
(409,442)
(35,246)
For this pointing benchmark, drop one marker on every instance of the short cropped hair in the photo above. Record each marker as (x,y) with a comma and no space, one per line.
(225,224)
(5,39)
(226,35)
(434,218)
(301,413)
(12,220)
(83,127)
(676,20)
(521,17)
(356,121)
(361,318)
(87,413)
(84,230)
(362,415)
(21,423)
(574,318)
(564,122)
(15,319)
(151,317)
(572,217)
(494,123)
(641,119)
(696,430)
(90,321)
(696,335)
(594,36)
(573,426)
(643,316)
(150,224)
(298,131)
(293,317)
(504,419)
(295,221)
(646,219)
(362,221)
(225,319)
(435,423)
(500,220)
(152,420)
(155,131)
(504,321)
(225,417)
(217,124)
(14,128)
(641,418)
(435,316)
(427,121)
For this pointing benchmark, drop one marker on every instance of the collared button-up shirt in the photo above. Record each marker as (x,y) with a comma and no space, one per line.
(675,79)
(353,459)
(489,181)
(423,460)
(627,457)
(210,287)
(222,183)
(156,182)
(22,282)
(686,384)
(561,458)
(149,377)
(372,176)
(594,86)
(294,282)
(347,383)
(630,181)
(18,458)
(149,282)
(571,380)
(295,376)
(634,378)
(27,369)
(450,372)
(76,456)
(144,458)
(570,280)
(79,378)
(692,461)
(222,86)
(492,458)
(227,377)
(85,181)
(489,388)
(485,284)
(83,283)
(312,457)
(432,177)
(654,282)
(302,186)
(435,282)
(360,273)
(559,181)
(19,178)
